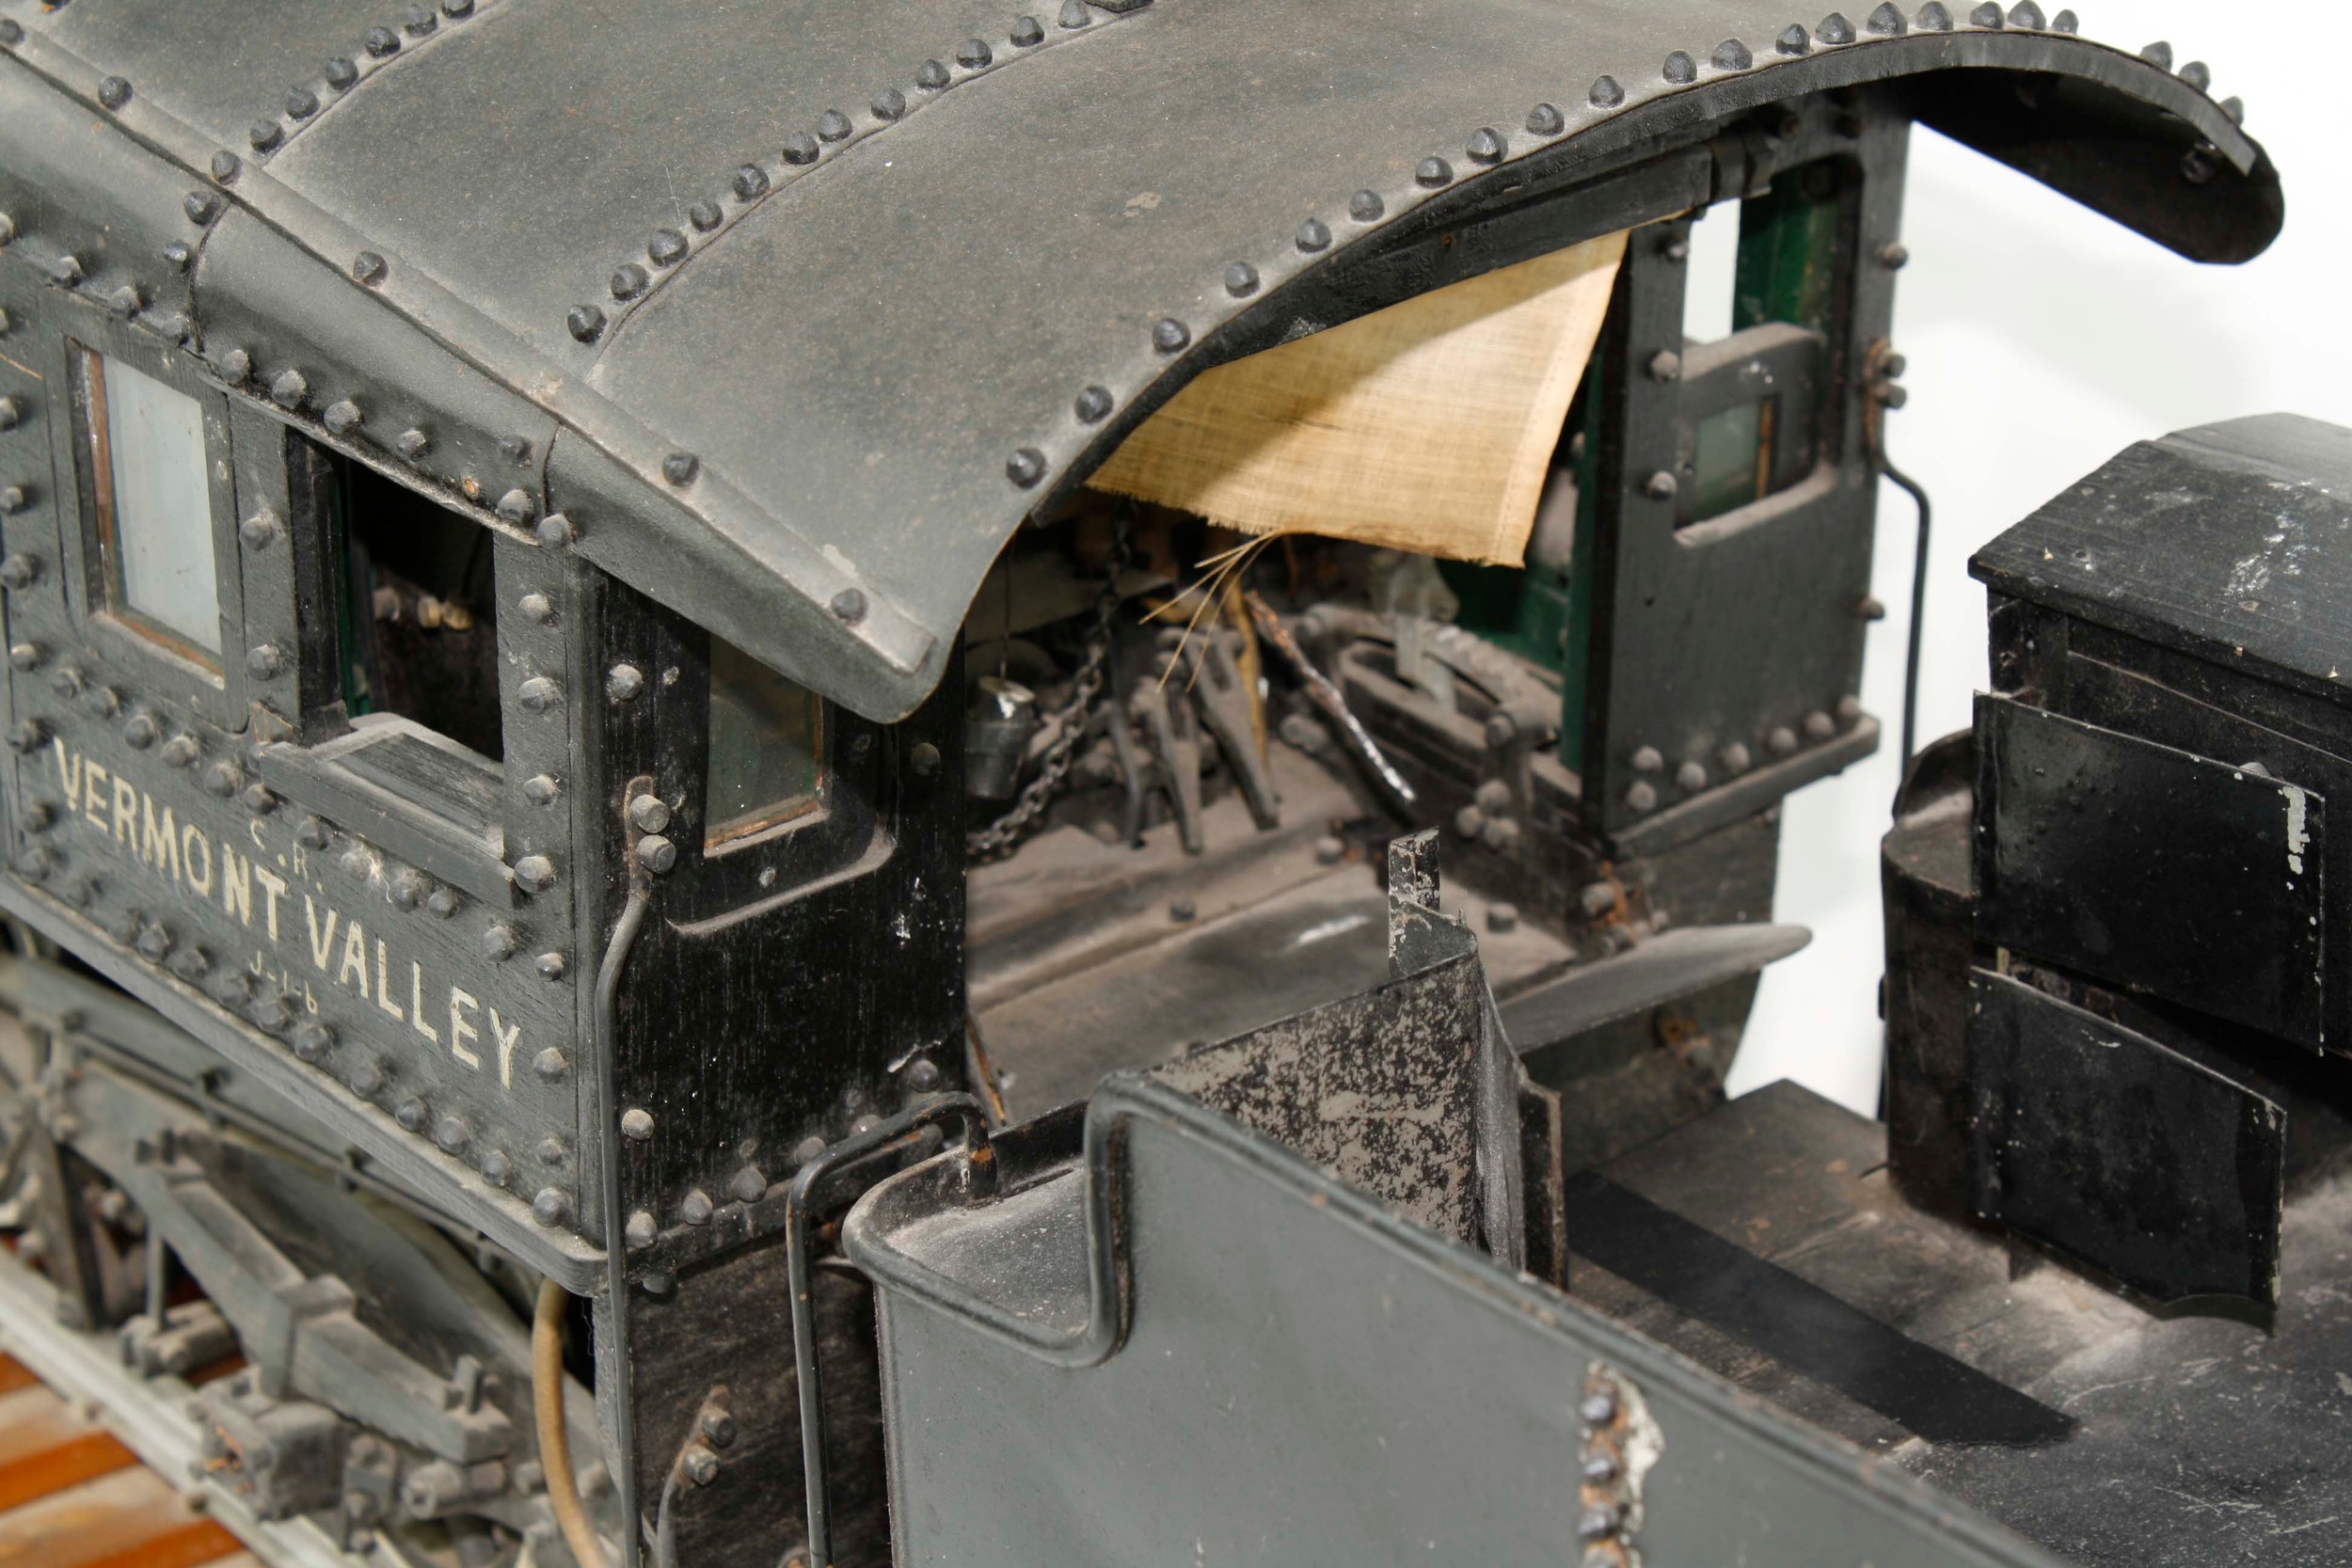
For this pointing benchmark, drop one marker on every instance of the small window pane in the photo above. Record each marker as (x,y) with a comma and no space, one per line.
(155,505)
(766,750)
(1734,457)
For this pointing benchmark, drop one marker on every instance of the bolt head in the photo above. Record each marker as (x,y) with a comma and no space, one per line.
(702,1465)
(849,606)
(649,814)
(657,854)
(1660,487)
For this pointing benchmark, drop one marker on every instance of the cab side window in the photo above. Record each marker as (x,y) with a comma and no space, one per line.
(158,552)
(767,749)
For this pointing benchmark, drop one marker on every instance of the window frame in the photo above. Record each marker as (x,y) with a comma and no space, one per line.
(159,659)
(770,822)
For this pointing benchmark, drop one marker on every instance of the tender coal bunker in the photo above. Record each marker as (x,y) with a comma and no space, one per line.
(418,610)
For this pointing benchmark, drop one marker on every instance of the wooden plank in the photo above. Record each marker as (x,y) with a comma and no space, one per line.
(1428,426)
(129,1519)
(14,1374)
(45,1447)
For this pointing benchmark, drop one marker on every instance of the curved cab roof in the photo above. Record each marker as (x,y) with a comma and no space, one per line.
(787,306)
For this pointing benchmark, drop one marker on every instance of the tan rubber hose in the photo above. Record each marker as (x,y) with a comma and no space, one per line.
(555,1447)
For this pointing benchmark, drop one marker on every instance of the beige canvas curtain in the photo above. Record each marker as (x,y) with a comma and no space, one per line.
(1428,427)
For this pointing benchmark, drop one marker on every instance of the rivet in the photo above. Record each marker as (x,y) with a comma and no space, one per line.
(67,270)
(500,943)
(541,789)
(368,1074)
(925,759)
(623,682)
(1987,15)
(410,1113)
(11,31)
(1734,758)
(1885,21)
(342,417)
(2158,54)
(14,499)
(679,467)
(274,1014)
(1432,172)
(225,166)
(799,147)
(1093,404)
(551,1065)
(1894,255)
(695,1206)
(1817,726)
(126,301)
(833,125)
(2198,74)
(1366,207)
(641,1230)
(1544,121)
(889,105)
(629,280)
(311,1039)
(301,103)
(551,966)
(264,134)
(1313,236)
(1691,777)
(973,55)
(1793,41)
(342,73)
(1168,335)
(1605,93)
(705,216)
(538,607)
(667,248)
(556,529)
(1679,68)
(637,1124)
(517,507)
(1848,708)
(177,255)
(1027,33)
(27,735)
(223,778)
(1594,1523)
(419,22)
(751,182)
(443,903)
(849,606)
(113,92)
(540,693)
(552,1151)
(2234,109)
(412,443)
(535,873)
(931,76)
(1781,741)
(1934,18)
(514,449)
(1646,759)
(453,1132)
(289,389)
(457,10)
(202,206)
(1731,55)
(141,732)
(497,1169)
(1665,365)
(2025,14)
(585,322)
(264,662)
(1642,796)
(1240,281)
(1598,1409)
(1486,146)
(1025,466)
(748,1185)
(2066,21)
(1835,28)
(1073,15)
(550,1206)
(24,655)
(1660,487)
(381,41)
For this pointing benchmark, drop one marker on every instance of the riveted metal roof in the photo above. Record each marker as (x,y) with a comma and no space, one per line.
(795,310)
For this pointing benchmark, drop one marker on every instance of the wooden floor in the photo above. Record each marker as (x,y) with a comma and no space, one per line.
(71,1496)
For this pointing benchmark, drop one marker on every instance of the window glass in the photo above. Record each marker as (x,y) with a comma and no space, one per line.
(1733,461)
(154,505)
(766,747)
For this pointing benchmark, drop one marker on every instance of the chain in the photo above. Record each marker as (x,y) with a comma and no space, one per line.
(1054,767)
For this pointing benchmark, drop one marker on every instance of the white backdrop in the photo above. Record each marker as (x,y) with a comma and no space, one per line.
(2042,339)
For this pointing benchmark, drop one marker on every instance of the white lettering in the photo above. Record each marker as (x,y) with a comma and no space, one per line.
(273,889)
(126,811)
(322,942)
(191,837)
(236,884)
(159,844)
(383,973)
(355,956)
(459,1030)
(69,773)
(416,1004)
(506,1048)
(93,803)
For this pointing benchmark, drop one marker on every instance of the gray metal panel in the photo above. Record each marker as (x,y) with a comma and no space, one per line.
(854,356)
(1306,1379)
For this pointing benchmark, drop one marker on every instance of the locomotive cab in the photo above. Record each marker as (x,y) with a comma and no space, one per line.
(567,730)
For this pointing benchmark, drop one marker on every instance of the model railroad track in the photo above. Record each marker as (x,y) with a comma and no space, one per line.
(72,1495)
